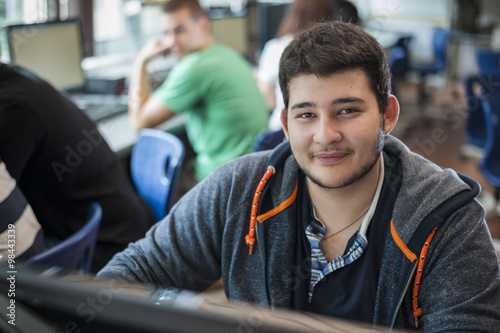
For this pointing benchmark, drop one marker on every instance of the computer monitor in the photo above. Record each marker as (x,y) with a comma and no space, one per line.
(270,16)
(52,50)
(46,301)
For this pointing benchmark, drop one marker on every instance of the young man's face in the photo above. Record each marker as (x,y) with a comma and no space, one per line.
(334,126)
(185,34)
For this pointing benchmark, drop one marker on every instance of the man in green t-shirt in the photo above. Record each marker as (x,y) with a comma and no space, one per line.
(212,84)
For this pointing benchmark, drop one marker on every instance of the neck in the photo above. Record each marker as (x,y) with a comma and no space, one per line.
(336,207)
(207,42)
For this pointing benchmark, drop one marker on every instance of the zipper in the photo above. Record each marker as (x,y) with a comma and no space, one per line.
(403,294)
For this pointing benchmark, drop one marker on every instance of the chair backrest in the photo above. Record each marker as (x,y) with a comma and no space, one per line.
(268,140)
(75,252)
(475,124)
(404,42)
(439,42)
(399,61)
(155,168)
(490,163)
(488,62)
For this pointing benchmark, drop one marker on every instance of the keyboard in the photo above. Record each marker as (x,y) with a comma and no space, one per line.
(102,111)
(100,107)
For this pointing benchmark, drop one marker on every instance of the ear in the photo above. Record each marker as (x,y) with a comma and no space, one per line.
(205,24)
(283,122)
(391,113)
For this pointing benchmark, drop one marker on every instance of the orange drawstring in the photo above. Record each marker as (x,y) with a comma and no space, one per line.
(250,238)
(417,311)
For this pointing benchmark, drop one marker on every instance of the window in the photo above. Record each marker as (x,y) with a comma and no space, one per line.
(121,27)
(29,11)
(10,13)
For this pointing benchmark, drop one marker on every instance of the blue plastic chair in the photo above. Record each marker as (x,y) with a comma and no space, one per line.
(268,140)
(439,43)
(398,59)
(75,252)
(488,62)
(490,163)
(398,63)
(155,168)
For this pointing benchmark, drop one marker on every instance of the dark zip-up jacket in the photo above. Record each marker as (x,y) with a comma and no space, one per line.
(203,238)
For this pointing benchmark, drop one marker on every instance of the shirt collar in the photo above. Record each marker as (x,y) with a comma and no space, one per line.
(368,217)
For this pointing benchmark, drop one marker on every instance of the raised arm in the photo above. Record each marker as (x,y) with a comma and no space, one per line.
(144,109)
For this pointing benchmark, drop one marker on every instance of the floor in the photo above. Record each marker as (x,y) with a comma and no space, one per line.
(436,131)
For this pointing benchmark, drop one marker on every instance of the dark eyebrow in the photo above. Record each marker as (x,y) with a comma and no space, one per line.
(302,105)
(347,100)
(344,100)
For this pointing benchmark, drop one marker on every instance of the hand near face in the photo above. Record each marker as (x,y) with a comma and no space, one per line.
(153,48)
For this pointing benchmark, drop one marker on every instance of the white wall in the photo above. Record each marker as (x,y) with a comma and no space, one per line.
(388,19)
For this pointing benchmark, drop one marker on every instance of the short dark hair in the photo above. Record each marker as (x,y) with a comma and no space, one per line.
(334,47)
(193,5)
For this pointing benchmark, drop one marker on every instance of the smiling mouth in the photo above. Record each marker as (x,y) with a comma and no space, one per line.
(330,157)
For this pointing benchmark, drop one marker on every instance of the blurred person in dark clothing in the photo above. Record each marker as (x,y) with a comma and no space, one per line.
(62,164)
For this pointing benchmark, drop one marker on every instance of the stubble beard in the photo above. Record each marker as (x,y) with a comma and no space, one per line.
(359,174)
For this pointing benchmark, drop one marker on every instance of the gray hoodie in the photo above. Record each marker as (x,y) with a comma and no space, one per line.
(203,239)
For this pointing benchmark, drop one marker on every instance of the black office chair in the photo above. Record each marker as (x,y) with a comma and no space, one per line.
(475,122)
(75,252)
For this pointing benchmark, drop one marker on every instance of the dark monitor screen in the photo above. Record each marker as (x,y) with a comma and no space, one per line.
(52,50)
(270,16)
(37,300)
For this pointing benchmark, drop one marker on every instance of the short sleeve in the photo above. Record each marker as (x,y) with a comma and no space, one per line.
(180,91)
(20,134)
(269,62)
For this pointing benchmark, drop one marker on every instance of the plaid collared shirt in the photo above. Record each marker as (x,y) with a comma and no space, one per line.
(320,267)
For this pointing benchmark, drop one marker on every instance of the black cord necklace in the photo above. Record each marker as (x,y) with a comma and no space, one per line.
(347,226)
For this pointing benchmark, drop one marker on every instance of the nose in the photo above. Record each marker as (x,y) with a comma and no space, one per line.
(327,131)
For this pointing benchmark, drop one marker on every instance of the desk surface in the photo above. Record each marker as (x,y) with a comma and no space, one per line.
(121,137)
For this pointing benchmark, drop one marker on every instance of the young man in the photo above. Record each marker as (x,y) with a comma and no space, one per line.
(211,83)
(346,221)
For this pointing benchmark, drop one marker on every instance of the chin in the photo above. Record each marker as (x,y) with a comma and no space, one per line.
(332,179)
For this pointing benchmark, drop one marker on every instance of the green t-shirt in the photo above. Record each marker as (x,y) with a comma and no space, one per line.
(225,111)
